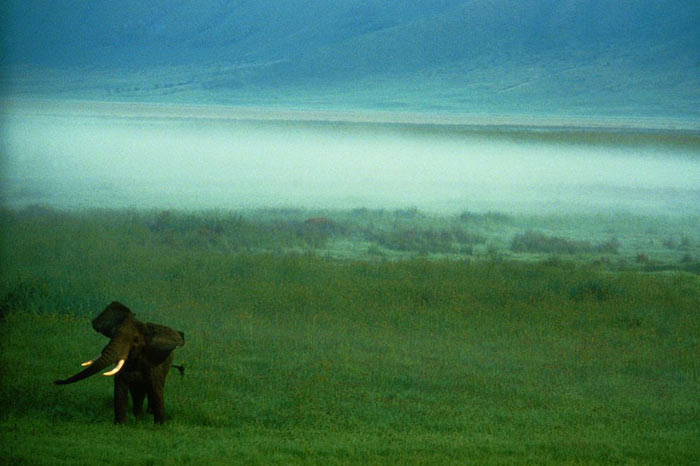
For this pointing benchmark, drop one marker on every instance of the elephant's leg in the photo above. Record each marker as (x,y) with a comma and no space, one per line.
(121,400)
(138,393)
(154,391)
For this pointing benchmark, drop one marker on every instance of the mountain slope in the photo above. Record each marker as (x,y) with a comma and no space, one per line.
(481,51)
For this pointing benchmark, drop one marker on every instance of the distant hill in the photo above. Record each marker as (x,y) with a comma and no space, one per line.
(587,56)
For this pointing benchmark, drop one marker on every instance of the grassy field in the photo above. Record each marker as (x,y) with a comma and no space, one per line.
(361,337)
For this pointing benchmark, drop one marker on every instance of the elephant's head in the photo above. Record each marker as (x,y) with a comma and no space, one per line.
(130,342)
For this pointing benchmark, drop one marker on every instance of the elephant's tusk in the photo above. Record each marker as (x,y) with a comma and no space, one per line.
(116,369)
(87,363)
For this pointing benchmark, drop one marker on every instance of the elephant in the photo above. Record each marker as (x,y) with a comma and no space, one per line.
(143,354)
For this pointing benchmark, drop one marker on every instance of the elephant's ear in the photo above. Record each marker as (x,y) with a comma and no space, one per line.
(111,318)
(161,340)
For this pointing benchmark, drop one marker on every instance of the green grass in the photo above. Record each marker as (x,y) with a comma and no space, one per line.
(297,355)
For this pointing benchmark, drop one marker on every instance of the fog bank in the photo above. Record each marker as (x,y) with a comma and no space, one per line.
(72,161)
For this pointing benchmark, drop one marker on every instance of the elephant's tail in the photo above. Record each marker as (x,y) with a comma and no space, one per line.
(180,368)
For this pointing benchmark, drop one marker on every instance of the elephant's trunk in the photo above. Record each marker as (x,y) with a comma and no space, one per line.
(110,355)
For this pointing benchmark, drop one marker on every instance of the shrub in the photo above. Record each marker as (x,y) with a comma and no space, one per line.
(533,241)
(609,247)
(410,213)
(415,240)
(592,289)
(428,240)
(487,217)
(642,258)
(682,245)
(686,259)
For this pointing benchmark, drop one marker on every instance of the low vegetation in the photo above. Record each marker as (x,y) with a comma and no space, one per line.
(325,342)
(533,241)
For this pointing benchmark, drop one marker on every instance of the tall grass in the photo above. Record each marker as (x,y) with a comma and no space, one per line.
(295,357)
